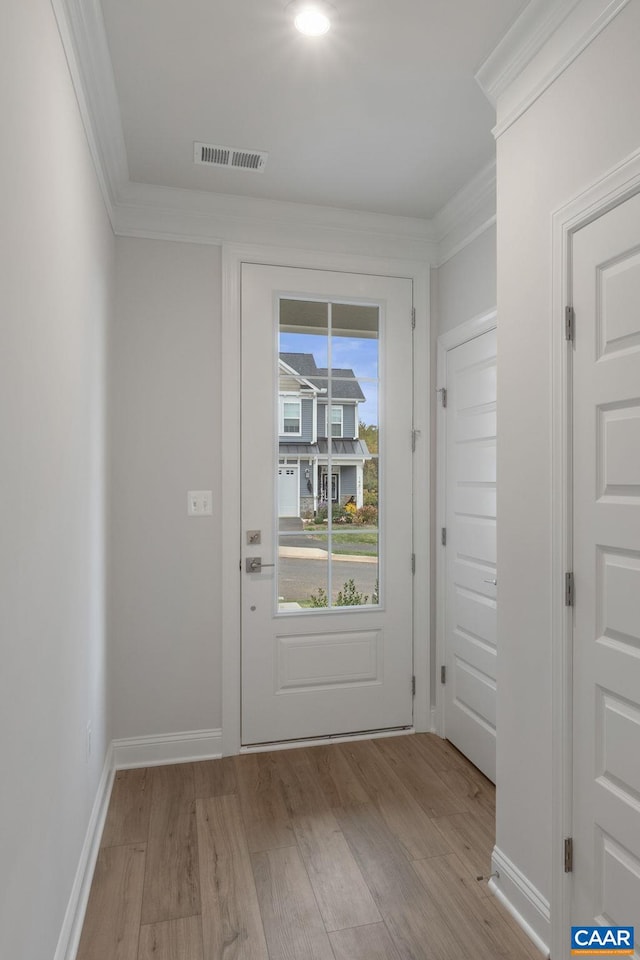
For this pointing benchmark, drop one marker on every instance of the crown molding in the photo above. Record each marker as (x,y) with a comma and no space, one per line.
(168,213)
(524,39)
(84,40)
(547,37)
(467,215)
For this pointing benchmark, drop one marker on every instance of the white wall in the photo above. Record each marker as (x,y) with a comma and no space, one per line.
(165,436)
(467,282)
(586,123)
(55,302)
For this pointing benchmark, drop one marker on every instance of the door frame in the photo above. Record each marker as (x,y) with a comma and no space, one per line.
(618,185)
(463,333)
(233,256)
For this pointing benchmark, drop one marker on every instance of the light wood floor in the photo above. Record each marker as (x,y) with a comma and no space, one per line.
(358,851)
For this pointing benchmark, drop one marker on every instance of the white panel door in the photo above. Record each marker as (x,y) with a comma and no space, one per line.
(327,622)
(606,644)
(470,613)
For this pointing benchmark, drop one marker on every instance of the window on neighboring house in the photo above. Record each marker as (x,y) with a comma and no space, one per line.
(336,421)
(291,417)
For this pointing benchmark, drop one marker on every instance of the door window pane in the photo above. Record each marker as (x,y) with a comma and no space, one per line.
(328,452)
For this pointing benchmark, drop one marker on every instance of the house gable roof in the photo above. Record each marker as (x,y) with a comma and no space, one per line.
(346,387)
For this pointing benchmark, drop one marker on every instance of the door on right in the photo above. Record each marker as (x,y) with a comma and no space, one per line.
(606,541)
(471,580)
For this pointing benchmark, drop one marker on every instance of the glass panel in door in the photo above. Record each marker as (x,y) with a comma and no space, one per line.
(327,455)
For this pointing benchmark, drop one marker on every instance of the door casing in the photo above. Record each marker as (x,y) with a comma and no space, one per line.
(233,255)
(617,186)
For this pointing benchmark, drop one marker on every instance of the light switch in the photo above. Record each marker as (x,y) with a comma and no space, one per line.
(200,503)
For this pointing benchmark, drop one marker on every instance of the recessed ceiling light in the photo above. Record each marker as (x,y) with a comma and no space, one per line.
(311,17)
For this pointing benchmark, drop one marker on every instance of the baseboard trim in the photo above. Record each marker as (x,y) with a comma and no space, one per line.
(74,917)
(523,901)
(167,748)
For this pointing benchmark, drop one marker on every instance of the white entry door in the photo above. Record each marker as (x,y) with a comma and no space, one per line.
(470,604)
(606,642)
(326,601)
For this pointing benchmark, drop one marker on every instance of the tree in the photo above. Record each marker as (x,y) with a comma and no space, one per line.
(369,433)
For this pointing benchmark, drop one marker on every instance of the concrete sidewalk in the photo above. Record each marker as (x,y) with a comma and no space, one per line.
(315,553)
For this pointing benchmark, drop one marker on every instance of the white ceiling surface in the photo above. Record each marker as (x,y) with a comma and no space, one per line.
(383,114)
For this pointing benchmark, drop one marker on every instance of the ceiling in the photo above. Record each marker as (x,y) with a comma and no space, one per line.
(383,114)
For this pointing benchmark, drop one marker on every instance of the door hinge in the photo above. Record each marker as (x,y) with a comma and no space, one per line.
(568,854)
(413,686)
(413,563)
(413,318)
(443,537)
(443,674)
(569,590)
(415,436)
(443,395)
(569,324)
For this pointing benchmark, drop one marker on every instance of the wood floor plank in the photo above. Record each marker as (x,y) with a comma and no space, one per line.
(404,816)
(473,788)
(364,943)
(129,807)
(266,820)
(471,836)
(289,844)
(458,773)
(172,940)
(335,777)
(341,892)
(470,914)
(171,886)
(292,922)
(231,923)
(215,778)
(519,946)
(420,779)
(440,754)
(462,878)
(112,921)
(416,928)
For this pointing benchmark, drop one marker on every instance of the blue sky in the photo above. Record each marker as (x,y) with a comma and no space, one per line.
(359,355)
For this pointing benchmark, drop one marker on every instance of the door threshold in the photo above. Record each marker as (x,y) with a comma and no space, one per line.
(330,738)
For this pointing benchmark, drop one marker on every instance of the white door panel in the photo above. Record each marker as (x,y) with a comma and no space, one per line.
(606,647)
(474,613)
(478,425)
(470,610)
(312,671)
(476,458)
(476,539)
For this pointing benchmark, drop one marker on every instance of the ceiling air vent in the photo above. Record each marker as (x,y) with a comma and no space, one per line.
(215,156)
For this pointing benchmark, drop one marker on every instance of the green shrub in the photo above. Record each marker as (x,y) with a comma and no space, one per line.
(349,596)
